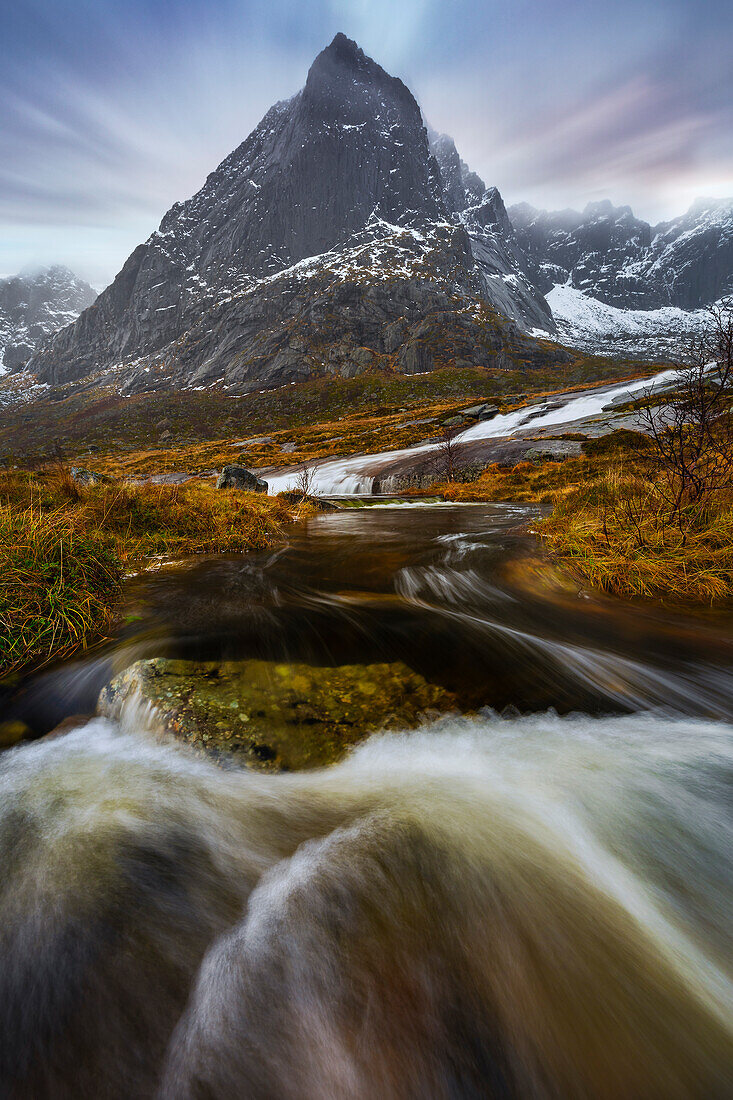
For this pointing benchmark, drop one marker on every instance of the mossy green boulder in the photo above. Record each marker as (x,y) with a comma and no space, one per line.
(275,715)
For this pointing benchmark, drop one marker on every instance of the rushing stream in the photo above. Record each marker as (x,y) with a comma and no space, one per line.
(357,474)
(530,897)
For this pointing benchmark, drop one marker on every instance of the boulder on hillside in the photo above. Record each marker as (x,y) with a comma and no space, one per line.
(556,450)
(255,441)
(292,496)
(88,477)
(484,411)
(239,477)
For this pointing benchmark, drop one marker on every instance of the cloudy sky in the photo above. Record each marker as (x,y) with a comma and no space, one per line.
(114,109)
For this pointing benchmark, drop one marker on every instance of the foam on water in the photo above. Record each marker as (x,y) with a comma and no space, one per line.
(486,906)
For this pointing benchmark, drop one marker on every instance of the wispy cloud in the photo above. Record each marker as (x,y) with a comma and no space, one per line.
(111,112)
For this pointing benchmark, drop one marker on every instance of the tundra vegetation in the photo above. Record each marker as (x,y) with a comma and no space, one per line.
(64,547)
(152,432)
(638,514)
(646,513)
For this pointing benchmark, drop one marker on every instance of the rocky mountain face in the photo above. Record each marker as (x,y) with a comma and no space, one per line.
(511,279)
(35,305)
(335,237)
(609,255)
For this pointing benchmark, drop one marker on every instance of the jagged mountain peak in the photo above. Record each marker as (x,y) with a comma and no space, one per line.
(342,72)
(336,187)
(701,212)
(343,81)
(703,204)
(35,304)
(342,53)
(604,208)
(462,187)
(45,273)
(312,171)
(609,254)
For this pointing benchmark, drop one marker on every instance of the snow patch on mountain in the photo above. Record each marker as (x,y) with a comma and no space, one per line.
(33,306)
(612,256)
(597,327)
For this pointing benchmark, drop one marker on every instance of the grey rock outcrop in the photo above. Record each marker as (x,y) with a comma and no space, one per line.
(83,476)
(556,449)
(485,411)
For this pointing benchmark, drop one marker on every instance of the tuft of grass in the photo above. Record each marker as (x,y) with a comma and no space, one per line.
(616,532)
(62,550)
(184,519)
(59,584)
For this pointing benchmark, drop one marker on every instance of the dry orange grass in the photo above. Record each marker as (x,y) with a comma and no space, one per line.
(59,584)
(617,532)
(62,549)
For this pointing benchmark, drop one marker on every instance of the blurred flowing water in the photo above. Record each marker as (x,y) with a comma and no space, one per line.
(359,473)
(528,898)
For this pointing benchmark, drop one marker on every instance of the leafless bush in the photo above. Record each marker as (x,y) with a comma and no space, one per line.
(304,482)
(450,454)
(692,432)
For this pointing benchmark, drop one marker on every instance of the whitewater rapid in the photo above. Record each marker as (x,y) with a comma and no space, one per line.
(343,477)
(486,907)
(492,905)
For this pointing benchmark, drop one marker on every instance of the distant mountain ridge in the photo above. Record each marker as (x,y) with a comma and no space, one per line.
(325,242)
(612,256)
(33,306)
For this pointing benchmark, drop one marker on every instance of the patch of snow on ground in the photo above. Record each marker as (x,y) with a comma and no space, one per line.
(344,476)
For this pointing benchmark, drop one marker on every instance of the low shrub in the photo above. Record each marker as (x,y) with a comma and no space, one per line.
(621,535)
(623,439)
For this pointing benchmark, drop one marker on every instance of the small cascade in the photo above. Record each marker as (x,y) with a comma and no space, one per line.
(357,475)
(487,907)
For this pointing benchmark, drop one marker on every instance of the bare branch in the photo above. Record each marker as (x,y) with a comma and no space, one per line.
(304,482)
(692,431)
(451,454)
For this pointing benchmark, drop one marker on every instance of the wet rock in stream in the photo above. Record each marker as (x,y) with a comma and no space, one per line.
(275,715)
(12,732)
